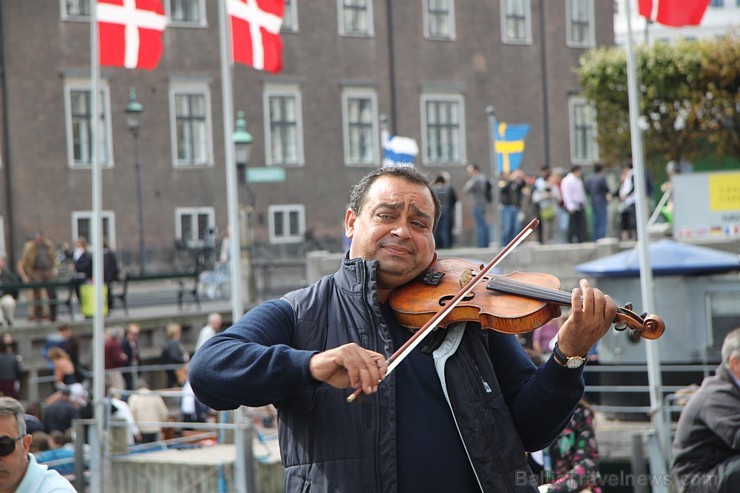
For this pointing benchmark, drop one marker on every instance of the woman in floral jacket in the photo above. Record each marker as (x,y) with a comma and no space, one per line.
(574,456)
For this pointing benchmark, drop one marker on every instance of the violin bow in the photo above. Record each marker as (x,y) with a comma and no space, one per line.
(400,354)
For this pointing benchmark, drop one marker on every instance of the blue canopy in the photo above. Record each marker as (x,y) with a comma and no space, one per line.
(667,258)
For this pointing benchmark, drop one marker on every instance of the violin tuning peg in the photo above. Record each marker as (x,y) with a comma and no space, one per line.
(628,306)
(644,314)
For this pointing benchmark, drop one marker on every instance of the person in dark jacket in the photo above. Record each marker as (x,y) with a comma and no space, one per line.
(456,415)
(110,271)
(706,447)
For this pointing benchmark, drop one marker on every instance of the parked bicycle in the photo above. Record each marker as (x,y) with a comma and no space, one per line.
(193,256)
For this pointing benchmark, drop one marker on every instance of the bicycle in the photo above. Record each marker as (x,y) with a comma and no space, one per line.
(193,256)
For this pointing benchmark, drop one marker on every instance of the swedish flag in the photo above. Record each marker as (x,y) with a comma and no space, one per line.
(510,146)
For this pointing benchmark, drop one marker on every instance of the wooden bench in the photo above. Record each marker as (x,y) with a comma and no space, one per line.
(180,277)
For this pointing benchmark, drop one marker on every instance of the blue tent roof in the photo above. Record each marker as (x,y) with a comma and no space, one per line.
(667,258)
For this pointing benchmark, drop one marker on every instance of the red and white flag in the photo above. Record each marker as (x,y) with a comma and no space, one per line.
(674,13)
(130,32)
(255,33)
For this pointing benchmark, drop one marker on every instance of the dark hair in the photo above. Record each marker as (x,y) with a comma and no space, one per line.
(412,175)
(598,168)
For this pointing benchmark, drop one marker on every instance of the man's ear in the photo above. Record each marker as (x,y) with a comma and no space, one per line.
(349,223)
(27,439)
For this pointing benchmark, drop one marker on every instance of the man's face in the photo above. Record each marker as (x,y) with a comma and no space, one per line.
(13,466)
(735,366)
(394,227)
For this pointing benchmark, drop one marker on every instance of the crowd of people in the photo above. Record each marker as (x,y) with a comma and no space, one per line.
(48,423)
(571,207)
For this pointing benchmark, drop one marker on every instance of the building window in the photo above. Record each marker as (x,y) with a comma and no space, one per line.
(583,147)
(439,19)
(191,124)
(580,23)
(443,135)
(283,125)
(79,122)
(82,226)
(718,3)
(360,128)
(287,223)
(355,17)
(75,9)
(290,17)
(192,224)
(516,21)
(187,12)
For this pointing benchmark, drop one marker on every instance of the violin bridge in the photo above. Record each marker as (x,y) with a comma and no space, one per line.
(432,277)
(466,277)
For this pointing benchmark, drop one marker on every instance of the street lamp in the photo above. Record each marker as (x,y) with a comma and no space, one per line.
(134,109)
(242,144)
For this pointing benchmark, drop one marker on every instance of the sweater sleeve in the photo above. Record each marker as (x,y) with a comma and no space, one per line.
(541,400)
(251,363)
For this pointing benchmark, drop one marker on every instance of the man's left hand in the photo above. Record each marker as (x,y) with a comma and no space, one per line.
(592,313)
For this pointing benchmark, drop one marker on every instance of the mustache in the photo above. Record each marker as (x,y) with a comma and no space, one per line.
(408,245)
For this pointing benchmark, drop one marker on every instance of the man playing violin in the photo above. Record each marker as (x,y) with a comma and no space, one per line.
(457,415)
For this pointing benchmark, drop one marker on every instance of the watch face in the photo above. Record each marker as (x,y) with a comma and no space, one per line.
(575,362)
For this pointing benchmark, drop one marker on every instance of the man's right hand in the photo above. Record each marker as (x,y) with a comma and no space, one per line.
(349,366)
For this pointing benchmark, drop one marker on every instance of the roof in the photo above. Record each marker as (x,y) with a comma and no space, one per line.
(667,258)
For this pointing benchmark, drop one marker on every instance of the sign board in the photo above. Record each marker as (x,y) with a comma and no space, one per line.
(265,175)
(706,204)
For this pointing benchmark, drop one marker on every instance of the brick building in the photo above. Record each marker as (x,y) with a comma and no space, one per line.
(431,66)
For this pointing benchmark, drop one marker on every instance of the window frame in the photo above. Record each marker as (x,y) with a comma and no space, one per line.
(290,91)
(202,20)
(194,212)
(108,215)
(291,12)
(590,42)
(527,7)
(66,16)
(72,85)
(286,209)
(446,98)
(427,17)
(343,31)
(360,93)
(574,103)
(179,88)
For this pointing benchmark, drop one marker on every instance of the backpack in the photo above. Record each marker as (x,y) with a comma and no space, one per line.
(489,191)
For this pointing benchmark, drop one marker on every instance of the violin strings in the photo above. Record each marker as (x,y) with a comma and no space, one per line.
(512,286)
(541,293)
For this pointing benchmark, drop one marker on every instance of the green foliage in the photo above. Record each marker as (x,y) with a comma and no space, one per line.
(689,99)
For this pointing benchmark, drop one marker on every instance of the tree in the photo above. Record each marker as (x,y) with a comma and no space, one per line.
(689,99)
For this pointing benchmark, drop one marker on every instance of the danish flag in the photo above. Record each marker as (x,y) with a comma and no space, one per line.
(255,33)
(130,32)
(674,13)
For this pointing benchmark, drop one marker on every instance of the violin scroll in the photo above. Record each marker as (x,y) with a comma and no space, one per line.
(645,326)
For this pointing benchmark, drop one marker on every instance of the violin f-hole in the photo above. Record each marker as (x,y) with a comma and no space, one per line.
(445,299)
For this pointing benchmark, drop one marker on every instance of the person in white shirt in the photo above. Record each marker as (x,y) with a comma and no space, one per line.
(209,330)
(574,199)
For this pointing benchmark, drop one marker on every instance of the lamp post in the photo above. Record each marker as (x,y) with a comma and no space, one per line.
(134,109)
(242,145)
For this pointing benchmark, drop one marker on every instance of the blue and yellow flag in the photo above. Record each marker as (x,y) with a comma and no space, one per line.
(510,146)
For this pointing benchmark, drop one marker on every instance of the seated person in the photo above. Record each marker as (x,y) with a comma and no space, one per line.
(706,447)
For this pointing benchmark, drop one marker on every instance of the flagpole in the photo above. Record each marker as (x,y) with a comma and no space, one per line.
(232,198)
(97,254)
(491,112)
(643,242)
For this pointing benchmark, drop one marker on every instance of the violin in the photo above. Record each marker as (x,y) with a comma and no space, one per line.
(512,303)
